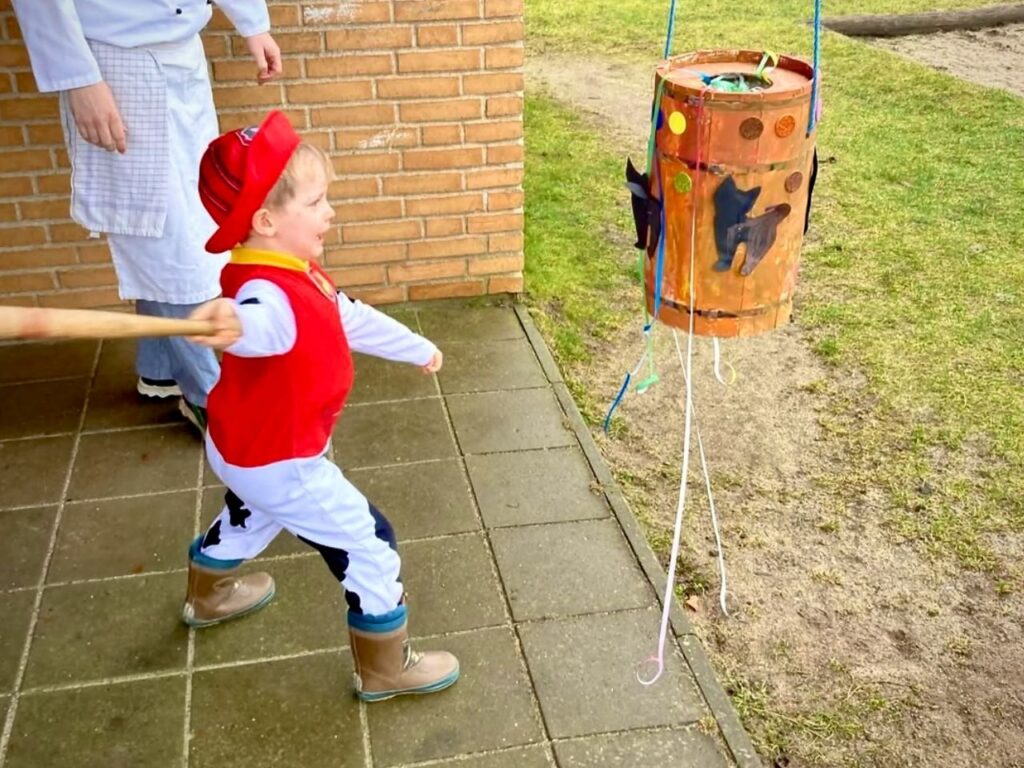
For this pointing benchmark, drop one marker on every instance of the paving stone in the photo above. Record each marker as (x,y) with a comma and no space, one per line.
(569,568)
(29,362)
(117,359)
(24,541)
(520,420)
(480,367)
(378,379)
(428,499)
(285,543)
(535,487)
(137,724)
(106,629)
(293,712)
(138,535)
(451,585)
(530,757)
(445,324)
(42,408)
(15,613)
(32,472)
(115,404)
(392,433)
(685,748)
(307,614)
(584,670)
(134,462)
(490,707)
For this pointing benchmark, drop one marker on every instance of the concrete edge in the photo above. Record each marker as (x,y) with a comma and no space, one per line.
(731,728)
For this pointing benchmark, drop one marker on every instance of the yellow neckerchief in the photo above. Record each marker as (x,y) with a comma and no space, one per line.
(257,257)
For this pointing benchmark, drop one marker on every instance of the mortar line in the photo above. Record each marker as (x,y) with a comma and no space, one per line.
(12,711)
(190,656)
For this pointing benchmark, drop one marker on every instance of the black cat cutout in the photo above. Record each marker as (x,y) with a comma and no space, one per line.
(732,227)
(646,210)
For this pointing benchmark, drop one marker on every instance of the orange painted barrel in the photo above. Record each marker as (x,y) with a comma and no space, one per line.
(732,170)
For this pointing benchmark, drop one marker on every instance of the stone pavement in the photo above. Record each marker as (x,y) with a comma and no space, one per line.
(519,555)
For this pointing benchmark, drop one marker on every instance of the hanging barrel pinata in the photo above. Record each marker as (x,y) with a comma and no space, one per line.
(731,170)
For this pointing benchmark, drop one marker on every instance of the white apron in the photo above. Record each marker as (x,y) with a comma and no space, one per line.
(147,200)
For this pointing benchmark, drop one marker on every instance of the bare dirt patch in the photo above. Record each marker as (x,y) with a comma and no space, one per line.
(844,646)
(991,57)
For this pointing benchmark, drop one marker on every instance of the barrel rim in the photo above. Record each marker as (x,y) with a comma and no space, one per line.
(716,55)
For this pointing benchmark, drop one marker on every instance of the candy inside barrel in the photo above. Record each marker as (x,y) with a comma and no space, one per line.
(731,175)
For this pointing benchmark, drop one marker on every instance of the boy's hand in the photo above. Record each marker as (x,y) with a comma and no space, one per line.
(435,363)
(227,327)
(267,55)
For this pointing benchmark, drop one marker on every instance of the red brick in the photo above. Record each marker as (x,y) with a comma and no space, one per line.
(495,222)
(245,70)
(283,16)
(439,249)
(24,300)
(52,183)
(503,201)
(505,153)
(437,35)
(380,233)
(486,34)
(59,208)
(433,10)
(505,242)
(67,233)
(247,95)
(498,8)
(504,58)
(446,227)
(13,55)
(416,87)
(369,211)
(23,282)
(405,273)
(369,38)
(28,160)
(37,258)
(95,253)
(504,106)
(503,177)
(428,159)
(345,13)
(376,162)
(13,136)
(349,188)
(291,43)
(510,284)
(370,275)
(8,212)
(25,83)
(15,186)
(375,138)
(87,277)
(216,45)
(368,254)
(430,206)
(446,290)
(12,237)
(458,60)
(441,111)
(364,114)
(435,135)
(500,82)
(350,64)
(421,183)
(95,297)
(48,134)
(317,94)
(492,131)
(389,294)
(494,266)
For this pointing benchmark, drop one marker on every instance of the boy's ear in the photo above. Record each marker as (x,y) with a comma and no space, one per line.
(263,223)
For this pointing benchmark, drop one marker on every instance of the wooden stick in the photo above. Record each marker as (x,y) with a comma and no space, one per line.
(33,323)
(925,23)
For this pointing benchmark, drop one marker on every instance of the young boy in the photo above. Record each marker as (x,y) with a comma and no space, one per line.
(287,333)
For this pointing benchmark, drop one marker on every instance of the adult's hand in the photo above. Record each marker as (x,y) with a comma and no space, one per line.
(267,55)
(97,117)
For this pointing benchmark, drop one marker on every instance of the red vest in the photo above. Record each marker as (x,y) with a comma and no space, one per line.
(267,409)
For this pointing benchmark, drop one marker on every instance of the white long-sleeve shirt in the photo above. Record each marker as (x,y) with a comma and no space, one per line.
(56,31)
(268,327)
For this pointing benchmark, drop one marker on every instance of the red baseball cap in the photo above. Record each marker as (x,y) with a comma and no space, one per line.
(237,172)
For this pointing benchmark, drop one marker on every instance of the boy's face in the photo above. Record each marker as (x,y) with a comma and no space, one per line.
(301,223)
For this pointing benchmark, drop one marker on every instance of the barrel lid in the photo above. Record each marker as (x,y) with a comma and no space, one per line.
(685,75)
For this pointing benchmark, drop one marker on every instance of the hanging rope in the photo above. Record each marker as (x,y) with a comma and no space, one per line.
(816,75)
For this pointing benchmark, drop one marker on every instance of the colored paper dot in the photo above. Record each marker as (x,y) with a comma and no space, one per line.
(682,182)
(784,126)
(793,182)
(677,123)
(751,128)
(661,119)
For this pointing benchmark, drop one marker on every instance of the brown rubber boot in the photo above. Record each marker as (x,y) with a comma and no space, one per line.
(216,595)
(386,666)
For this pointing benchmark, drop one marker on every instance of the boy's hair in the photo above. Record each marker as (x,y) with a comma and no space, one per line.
(283,190)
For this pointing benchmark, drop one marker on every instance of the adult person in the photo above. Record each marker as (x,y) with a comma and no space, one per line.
(137,111)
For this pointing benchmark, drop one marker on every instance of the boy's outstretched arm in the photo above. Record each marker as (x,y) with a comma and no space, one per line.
(374,333)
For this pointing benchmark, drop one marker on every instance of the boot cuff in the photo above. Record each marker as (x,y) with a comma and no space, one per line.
(384,622)
(206,561)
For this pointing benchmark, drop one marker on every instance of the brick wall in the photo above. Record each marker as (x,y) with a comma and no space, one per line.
(419,103)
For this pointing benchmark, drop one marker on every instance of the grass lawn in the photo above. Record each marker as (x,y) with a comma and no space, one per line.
(914,278)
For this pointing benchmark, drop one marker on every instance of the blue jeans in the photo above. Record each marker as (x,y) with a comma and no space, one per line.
(195,368)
